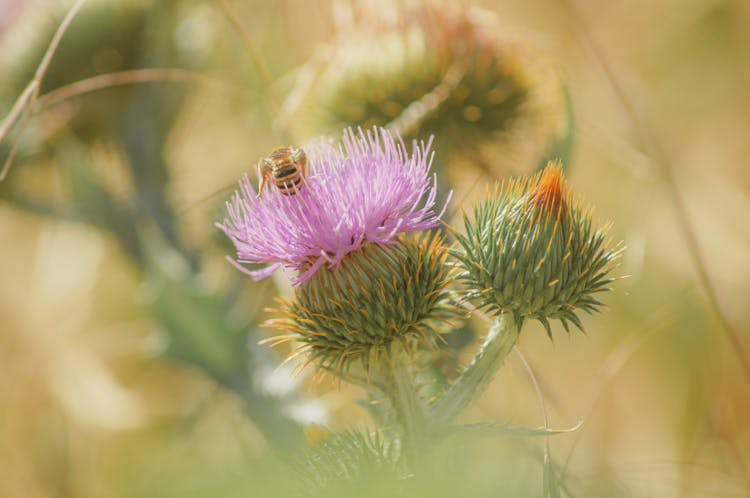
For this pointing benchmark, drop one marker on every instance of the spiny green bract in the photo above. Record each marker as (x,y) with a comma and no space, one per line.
(529,250)
(347,461)
(377,296)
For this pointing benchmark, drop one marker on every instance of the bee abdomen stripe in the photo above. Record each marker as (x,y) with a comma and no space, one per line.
(293,182)
(286,171)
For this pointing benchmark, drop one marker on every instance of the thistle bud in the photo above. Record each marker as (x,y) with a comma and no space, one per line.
(378,296)
(533,250)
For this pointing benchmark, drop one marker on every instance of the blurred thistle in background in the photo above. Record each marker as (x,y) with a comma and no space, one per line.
(131,364)
(439,68)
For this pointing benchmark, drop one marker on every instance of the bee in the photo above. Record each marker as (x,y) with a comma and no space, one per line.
(287,167)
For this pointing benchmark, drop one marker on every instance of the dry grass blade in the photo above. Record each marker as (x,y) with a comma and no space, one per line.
(551,484)
(14,148)
(108,80)
(255,53)
(535,383)
(27,99)
(304,80)
(206,198)
(19,106)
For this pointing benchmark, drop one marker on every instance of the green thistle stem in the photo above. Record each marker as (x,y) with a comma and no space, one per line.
(407,405)
(474,380)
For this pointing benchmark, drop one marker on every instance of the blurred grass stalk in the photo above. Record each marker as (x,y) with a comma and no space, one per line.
(648,139)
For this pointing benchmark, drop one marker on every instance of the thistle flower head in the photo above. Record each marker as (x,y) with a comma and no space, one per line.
(533,250)
(380,295)
(366,190)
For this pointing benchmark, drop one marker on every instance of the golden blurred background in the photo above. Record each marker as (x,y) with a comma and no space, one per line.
(129,363)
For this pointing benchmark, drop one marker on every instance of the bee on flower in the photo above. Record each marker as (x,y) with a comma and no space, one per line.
(368,190)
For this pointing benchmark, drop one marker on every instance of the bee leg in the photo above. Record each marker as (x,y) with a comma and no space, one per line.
(265,169)
(263,182)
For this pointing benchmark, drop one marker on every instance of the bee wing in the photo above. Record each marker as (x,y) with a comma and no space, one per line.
(265,166)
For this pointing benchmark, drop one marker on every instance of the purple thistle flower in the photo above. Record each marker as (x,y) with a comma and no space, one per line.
(366,190)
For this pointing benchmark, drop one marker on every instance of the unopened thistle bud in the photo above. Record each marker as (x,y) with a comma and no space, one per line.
(533,251)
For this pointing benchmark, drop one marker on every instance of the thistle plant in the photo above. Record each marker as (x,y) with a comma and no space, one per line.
(532,251)
(444,70)
(362,284)
(376,286)
(370,299)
